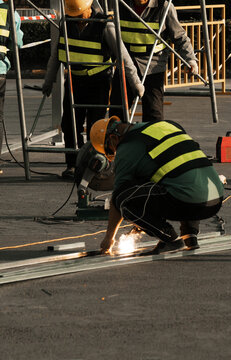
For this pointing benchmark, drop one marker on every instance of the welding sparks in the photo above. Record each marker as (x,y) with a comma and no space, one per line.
(127,243)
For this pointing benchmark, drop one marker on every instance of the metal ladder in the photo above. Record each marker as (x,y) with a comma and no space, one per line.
(119,63)
(116,19)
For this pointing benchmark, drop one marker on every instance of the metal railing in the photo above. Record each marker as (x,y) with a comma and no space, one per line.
(176,74)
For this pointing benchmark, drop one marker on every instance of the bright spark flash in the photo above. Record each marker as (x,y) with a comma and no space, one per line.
(126,244)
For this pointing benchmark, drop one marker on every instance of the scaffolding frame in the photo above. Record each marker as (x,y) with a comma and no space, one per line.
(116,20)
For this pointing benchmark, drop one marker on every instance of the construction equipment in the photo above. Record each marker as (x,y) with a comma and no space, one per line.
(94,171)
(223,148)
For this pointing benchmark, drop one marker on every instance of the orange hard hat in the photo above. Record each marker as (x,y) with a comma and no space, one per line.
(76,7)
(98,133)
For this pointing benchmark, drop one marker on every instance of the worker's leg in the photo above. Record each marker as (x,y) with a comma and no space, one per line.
(116,99)
(98,94)
(152,101)
(2,97)
(66,125)
(142,204)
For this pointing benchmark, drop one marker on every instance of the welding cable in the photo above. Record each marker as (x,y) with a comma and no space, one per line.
(57,240)
(69,196)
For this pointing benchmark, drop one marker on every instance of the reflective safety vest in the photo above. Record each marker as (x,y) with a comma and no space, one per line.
(174,151)
(136,36)
(4,30)
(85,46)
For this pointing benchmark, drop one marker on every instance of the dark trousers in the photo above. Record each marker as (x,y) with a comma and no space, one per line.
(152,101)
(2,99)
(149,206)
(92,90)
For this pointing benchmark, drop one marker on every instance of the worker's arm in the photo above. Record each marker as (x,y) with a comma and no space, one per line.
(130,69)
(114,222)
(180,39)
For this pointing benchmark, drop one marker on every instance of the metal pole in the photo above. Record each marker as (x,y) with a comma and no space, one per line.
(42,13)
(71,96)
(209,64)
(162,40)
(150,57)
(123,87)
(19,90)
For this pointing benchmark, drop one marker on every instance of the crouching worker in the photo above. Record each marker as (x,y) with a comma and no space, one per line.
(160,174)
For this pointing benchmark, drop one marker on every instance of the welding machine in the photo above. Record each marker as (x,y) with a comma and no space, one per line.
(223,148)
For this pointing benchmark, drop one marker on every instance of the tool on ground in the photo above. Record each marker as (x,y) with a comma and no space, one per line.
(94,171)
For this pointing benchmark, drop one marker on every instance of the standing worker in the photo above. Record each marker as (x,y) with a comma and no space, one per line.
(160,174)
(139,42)
(88,42)
(5,44)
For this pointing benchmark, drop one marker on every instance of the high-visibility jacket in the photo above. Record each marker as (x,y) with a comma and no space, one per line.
(85,46)
(172,150)
(4,29)
(135,35)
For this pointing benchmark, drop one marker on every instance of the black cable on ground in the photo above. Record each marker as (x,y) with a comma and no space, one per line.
(16,161)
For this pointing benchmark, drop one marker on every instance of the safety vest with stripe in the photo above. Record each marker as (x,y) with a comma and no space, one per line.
(171,149)
(137,38)
(85,46)
(4,30)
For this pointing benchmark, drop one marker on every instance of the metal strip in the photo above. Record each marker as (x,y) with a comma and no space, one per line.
(42,271)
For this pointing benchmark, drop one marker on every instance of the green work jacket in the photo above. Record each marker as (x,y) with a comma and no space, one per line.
(172,150)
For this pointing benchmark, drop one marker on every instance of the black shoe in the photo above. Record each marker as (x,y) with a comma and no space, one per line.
(162,247)
(69,173)
(172,246)
(190,241)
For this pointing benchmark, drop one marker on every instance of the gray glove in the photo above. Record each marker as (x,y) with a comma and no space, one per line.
(139,90)
(194,67)
(47,88)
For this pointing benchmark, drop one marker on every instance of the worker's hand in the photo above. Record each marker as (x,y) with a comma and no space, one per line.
(106,245)
(194,67)
(139,90)
(47,88)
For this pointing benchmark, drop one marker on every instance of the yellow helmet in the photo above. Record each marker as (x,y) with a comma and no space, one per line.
(98,133)
(76,7)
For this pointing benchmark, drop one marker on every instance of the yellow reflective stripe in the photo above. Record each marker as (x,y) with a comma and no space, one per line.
(167,144)
(160,129)
(138,25)
(173,164)
(137,38)
(90,72)
(81,43)
(78,57)
(138,48)
(4,32)
(3,17)
(3,49)
(144,48)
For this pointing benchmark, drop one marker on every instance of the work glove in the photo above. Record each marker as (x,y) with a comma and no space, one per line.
(139,90)
(194,67)
(47,88)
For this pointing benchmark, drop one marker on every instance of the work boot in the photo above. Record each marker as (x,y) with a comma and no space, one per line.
(162,247)
(68,173)
(190,241)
